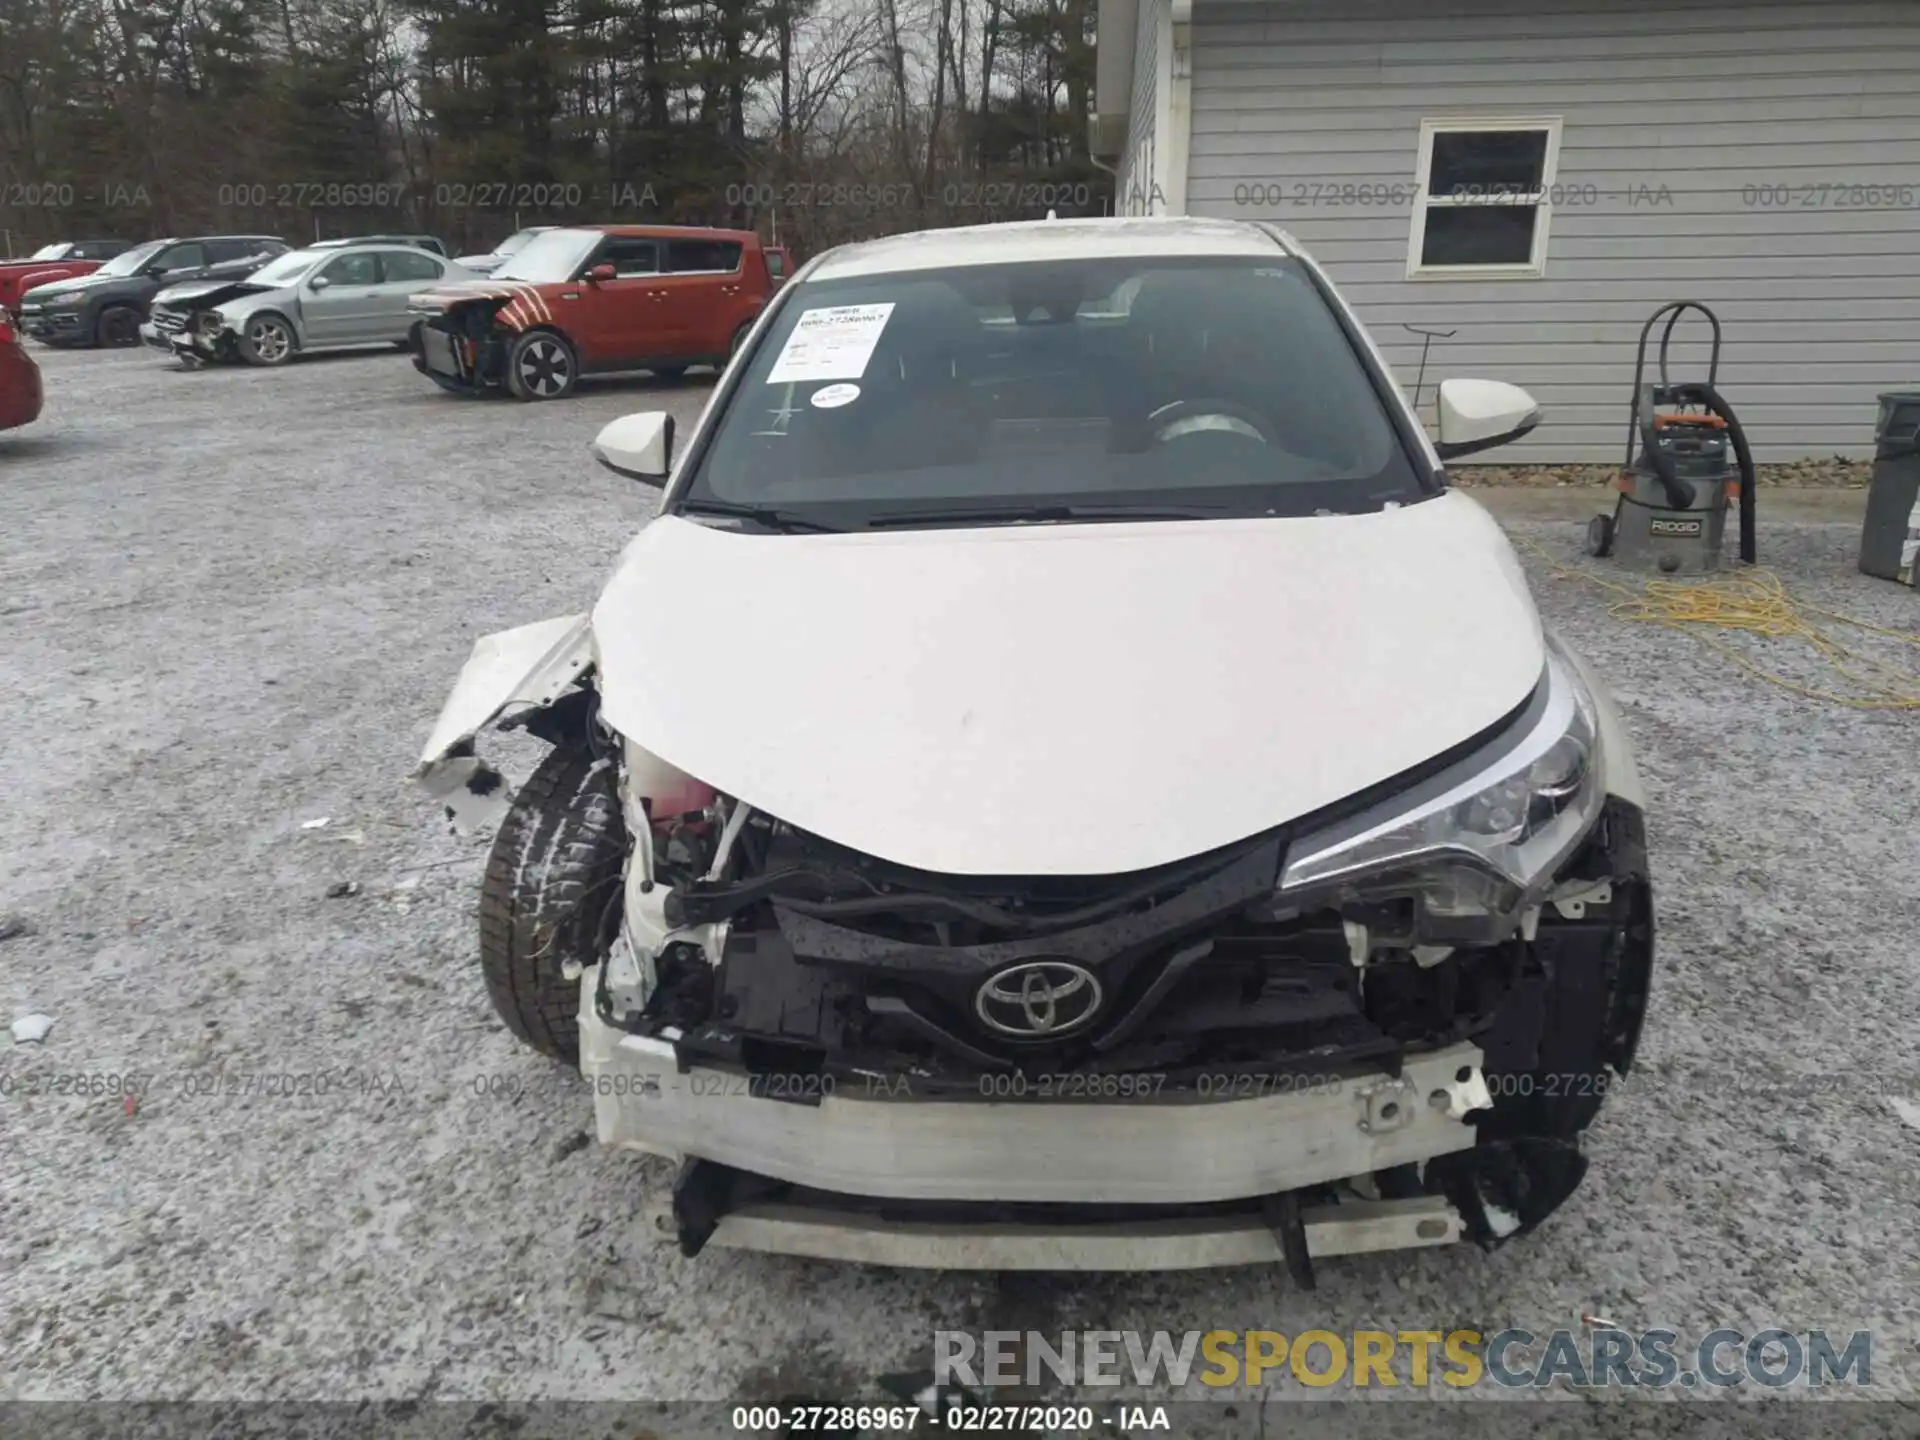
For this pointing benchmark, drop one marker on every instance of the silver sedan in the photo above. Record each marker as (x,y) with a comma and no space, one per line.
(320,299)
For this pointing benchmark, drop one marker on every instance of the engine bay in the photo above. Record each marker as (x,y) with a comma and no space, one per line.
(786,957)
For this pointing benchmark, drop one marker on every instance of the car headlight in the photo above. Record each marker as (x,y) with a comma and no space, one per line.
(65,297)
(1490,830)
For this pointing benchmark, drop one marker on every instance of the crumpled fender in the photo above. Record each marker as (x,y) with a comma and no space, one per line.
(508,673)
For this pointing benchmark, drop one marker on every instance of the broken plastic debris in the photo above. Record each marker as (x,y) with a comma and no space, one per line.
(1501,1221)
(319,824)
(342,888)
(31,1028)
(1908,1112)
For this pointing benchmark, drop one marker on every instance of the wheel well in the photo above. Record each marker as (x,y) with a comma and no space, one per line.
(546,329)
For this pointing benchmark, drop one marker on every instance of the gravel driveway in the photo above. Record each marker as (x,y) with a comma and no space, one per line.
(231,604)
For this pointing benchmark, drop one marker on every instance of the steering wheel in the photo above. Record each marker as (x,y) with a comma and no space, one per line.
(1208,417)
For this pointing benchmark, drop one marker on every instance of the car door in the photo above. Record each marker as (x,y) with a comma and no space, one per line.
(340,303)
(706,297)
(402,272)
(621,321)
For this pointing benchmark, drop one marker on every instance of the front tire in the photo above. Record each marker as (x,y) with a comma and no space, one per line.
(551,897)
(267,340)
(541,366)
(117,328)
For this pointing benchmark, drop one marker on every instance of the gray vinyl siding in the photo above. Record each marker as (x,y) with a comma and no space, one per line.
(1820,298)
(1137,169)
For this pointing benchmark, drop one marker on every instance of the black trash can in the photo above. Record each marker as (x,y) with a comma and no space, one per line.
(1886,549)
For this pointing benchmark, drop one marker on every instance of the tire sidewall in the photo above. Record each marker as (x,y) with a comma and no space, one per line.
(526,342)
(99,327)
(252,356)
(551,897)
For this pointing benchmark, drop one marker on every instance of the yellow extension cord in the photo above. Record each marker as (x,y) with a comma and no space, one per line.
(1755,601)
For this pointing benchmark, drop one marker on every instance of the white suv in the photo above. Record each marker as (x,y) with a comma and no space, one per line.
(1064,783)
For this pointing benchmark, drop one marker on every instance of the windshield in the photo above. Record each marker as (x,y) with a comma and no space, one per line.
(549,257)
(52,252)
(289,267)
(516,242)
(129,262)
(1201,386)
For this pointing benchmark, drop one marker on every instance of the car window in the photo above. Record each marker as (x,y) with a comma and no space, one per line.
(224,252)
(708,255)
(629,256)
(185,257)
(402,266)
(361,269)
(1223,385)
(96,250)
(288,268)
(776,264)
(61,251)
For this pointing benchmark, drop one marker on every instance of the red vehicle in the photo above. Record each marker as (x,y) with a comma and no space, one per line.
(596,299)
(61,261)
(20,394)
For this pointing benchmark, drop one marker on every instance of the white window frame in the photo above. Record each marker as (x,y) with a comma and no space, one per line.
(1536,265)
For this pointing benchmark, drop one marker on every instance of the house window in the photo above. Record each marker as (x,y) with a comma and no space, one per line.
(1484,203)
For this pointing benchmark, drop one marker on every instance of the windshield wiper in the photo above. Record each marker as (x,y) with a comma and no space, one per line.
(762,515)
(1017,514)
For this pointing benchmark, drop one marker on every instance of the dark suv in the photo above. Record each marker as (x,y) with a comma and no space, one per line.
(108,306)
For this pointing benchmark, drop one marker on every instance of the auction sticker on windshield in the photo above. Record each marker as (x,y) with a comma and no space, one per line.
(831,344)
(832,397)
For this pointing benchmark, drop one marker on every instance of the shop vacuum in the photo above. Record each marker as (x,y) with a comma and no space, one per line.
(1687,460)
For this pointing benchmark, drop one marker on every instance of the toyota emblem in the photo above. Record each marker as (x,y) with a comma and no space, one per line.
(1039,1000)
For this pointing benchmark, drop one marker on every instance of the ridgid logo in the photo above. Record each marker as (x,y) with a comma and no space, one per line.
(1591,1357)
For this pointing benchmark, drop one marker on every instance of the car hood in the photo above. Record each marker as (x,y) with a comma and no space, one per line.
(199,291)
(75,282)
(1081,699)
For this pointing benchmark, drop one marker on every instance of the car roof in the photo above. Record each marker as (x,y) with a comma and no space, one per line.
(182,239)
(668,232)
(343,244)
(1022,240)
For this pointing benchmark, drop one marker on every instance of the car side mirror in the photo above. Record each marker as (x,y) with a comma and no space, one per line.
(1478,415)
(319,282)
(154,271)
(639,446)
(602,272)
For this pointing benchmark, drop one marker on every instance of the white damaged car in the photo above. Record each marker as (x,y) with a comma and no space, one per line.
(1064,783)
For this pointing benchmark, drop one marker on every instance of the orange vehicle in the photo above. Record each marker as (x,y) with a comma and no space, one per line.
(594,300)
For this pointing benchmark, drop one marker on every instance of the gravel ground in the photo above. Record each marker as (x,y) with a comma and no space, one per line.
(1838,472)
(231,604)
